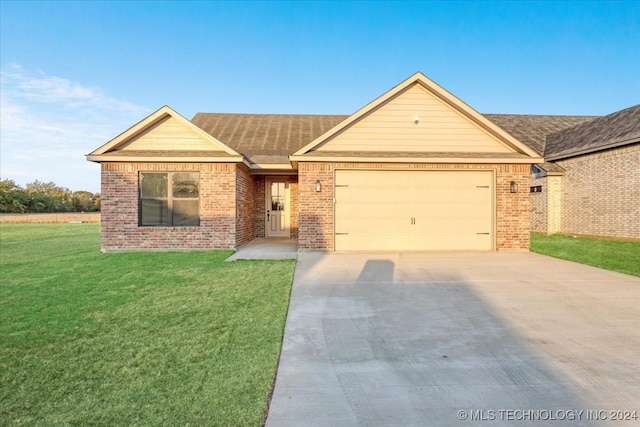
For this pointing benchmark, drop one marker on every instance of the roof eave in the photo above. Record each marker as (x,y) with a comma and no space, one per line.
(271,166)
(484,160)
(162,159)
(580,152)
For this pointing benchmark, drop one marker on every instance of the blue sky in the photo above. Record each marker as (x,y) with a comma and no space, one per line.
(76,74)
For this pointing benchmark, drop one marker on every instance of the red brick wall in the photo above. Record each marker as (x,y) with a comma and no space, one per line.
(120,229)
(513,212)
(316,209)
(245,187)
(259,207)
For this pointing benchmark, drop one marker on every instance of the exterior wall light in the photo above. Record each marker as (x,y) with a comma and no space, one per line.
(318,186)
(513,187)
(416,119)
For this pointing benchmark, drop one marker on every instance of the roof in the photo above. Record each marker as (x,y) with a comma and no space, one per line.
(550,168)
(533,129)
(613,130)
(266,138)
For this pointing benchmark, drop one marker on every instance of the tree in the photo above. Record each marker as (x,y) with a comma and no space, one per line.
(40,196)
(82,201)
(48,197)
(12,197)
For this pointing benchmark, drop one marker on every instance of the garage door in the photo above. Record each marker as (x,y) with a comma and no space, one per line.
(413,210)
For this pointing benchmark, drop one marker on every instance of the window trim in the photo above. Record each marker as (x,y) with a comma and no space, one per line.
(169,199)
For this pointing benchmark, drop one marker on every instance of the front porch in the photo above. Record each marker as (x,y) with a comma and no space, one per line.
(272,248)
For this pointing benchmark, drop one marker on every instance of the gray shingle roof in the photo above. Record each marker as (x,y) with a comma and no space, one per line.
(265,138)
(532,129)
(619,128)
(551,168)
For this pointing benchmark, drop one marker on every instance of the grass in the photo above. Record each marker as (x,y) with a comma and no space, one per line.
(615,255)
(163,338)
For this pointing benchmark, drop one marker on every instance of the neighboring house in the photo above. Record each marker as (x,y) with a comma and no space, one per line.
(590,182)
(415,169)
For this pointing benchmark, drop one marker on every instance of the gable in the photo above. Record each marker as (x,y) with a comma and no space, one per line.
(168,134)
(418,119)
(392,127)
(164,136)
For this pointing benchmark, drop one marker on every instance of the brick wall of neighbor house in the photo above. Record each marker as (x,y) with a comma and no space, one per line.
(539,204)
(513,217)
(244,206)
(120,229)
(601,193)
(546,206)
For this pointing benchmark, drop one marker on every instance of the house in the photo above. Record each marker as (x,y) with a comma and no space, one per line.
(590,182)
(415,169)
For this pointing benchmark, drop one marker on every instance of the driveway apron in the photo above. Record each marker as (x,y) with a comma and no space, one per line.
(457,339)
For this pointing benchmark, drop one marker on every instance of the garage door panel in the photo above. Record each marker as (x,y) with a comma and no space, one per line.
(413,210)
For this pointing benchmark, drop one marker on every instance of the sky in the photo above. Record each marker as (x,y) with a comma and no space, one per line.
(76,74)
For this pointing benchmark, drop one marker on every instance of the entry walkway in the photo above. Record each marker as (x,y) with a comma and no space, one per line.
(267,249)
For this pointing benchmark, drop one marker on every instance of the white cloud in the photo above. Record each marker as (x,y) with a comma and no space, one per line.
(51,89)
(48,124)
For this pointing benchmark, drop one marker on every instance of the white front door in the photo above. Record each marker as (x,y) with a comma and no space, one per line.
(277,204)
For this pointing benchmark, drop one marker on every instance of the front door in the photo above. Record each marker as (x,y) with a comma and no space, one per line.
(277,204)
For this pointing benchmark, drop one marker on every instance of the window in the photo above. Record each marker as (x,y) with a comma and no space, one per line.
(536,189)
(170,199)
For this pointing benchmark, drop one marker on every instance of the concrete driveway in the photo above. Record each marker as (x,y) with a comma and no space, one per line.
(458,339)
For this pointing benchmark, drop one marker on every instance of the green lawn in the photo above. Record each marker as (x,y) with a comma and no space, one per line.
(164,338)
(609,254)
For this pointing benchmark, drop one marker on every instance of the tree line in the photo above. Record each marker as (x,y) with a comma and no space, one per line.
(45,197)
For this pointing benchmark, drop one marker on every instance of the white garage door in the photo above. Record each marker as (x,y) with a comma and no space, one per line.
(413,210)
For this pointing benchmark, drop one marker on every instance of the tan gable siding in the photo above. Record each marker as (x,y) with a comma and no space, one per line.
(168,135)
(392,128)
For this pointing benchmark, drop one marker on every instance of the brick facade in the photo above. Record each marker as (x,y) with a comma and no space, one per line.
(120,207)
(546,205)
(598,195)
(245,188)
(601,193)
(232,205)
(539,204)
(259,208)
(512,219)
